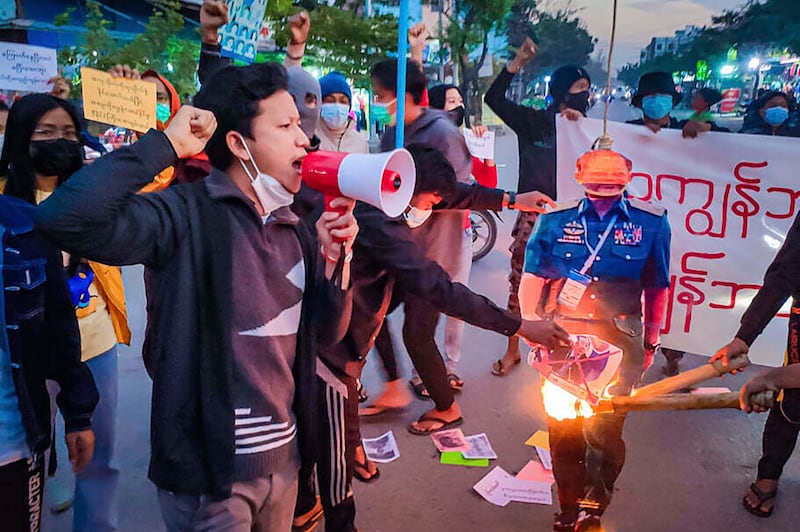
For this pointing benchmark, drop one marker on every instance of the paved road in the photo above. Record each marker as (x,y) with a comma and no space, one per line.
(685,471)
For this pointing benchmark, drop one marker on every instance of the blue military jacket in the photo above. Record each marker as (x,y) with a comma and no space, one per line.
(635,255)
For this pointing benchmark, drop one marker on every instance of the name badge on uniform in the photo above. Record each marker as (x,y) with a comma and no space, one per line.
(573,290)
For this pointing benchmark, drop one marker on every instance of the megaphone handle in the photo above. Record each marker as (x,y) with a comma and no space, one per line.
(340,210)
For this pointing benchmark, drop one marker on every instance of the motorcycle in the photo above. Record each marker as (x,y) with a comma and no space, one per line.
(484,232)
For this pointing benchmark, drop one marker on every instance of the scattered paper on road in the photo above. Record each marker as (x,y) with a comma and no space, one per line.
(540,438)
(500,488)
(450,440)
(480,147)
(545,458)
(456,458)
(382,449)
(490,487)
(479,448)
(535,472)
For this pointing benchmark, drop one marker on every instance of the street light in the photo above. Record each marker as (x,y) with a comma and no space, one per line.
(727,70)
(754,63)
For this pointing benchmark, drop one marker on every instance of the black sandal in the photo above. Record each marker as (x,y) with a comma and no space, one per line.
(420,390)
(762,498)
(365,466)
(455,382)
(500,370)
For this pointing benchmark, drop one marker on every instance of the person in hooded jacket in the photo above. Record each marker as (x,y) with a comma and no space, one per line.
(43,150)
(536,134)
(336,129)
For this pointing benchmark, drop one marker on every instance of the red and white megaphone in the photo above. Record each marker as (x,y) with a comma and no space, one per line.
(384,180)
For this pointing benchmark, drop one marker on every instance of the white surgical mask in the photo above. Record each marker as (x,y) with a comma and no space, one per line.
(416,217)
(335,115)
(271,194)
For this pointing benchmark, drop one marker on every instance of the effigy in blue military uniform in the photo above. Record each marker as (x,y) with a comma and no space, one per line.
(598,256)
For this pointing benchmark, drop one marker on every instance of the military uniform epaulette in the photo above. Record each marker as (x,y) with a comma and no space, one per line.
(565,205)
(650,208)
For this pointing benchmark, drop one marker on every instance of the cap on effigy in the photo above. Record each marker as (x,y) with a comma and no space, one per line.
(603,167)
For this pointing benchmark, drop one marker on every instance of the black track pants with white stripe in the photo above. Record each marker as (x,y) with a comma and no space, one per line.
(338,436)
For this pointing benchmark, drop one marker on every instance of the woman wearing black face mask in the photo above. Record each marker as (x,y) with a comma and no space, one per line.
(41,151)
(42,147)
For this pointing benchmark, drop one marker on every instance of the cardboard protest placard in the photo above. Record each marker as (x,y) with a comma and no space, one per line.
(26,68)
(120,102)
(239,37)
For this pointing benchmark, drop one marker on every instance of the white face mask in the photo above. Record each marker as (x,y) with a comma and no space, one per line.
(271,194)
(335,115)
(416,217)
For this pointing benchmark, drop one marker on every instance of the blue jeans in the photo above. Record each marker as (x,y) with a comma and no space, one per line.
(95,507)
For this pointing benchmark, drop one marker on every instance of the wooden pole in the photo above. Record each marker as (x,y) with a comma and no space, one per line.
(692,377)
(684,401)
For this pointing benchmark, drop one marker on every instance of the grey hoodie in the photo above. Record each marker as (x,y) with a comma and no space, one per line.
(441,235)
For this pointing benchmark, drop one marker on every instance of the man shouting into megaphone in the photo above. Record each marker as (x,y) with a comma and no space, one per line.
(240,295)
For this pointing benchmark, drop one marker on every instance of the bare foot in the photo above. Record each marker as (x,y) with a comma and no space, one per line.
(442,417)
(766,486)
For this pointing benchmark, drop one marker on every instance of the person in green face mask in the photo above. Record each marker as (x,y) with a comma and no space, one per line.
(167,100)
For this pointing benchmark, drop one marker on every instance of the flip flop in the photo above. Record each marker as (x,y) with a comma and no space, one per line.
(455,382)
(427,417)
(501,371)
(420,390)
(762,498)
(365,466)
(375,410)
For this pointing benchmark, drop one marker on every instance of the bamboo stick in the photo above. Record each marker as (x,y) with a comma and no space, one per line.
(684,401)
(692,377)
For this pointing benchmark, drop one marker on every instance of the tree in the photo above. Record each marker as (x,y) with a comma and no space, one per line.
(342,40)
(756,28)
(156,48)
(562,37)
(467,35)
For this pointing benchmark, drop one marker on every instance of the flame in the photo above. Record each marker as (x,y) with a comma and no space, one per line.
(560,404)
